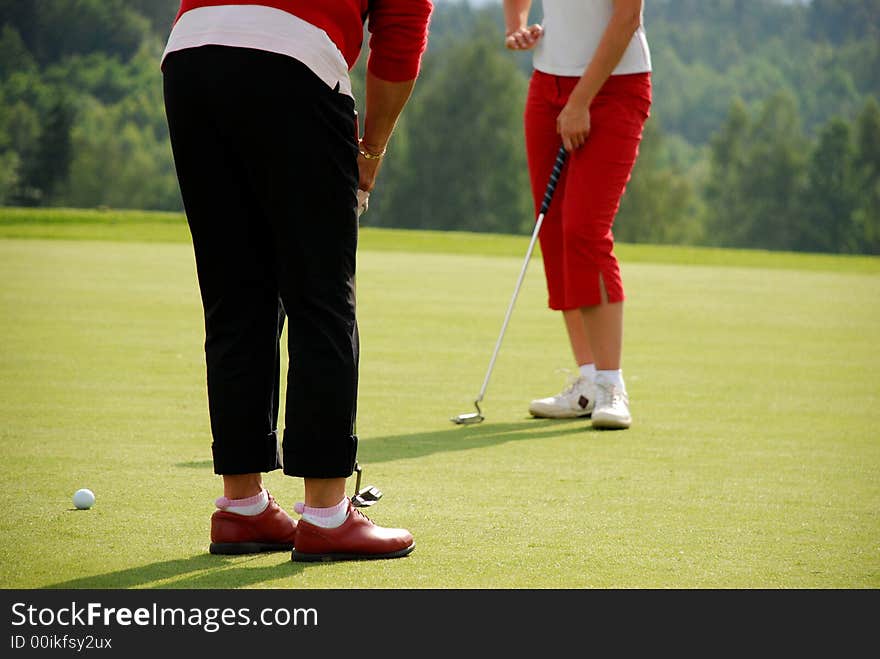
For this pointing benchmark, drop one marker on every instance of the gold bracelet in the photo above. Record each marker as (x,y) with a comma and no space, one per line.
(370,156)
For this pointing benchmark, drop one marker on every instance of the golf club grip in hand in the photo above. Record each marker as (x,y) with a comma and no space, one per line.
(554,179)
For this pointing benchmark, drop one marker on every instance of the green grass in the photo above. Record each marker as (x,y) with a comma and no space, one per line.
(150,226)
(753,460)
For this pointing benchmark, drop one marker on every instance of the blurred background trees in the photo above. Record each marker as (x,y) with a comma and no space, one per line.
(765,129)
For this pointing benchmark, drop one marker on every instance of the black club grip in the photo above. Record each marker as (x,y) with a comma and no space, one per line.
(554,178)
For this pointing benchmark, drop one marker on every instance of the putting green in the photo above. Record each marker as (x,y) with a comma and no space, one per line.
(753,460)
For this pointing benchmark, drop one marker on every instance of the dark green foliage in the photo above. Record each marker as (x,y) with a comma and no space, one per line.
(765,128)
(757,177)
(773,180)
(52,29)
(160,13)
(14,55)
(866,218)
(465,145)
(49,165)
(711,51)
(770,187)
(658,205)
(728,164)
(831,196)
(844,20)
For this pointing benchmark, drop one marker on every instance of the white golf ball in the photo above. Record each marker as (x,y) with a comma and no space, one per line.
(84,499)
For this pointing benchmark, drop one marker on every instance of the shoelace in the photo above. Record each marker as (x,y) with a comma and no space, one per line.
(613,393)
(573,381)
(362,514)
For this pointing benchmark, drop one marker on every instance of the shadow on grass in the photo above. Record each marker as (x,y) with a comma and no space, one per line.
(462,438)
(458,438)
(199,571)
(196,464)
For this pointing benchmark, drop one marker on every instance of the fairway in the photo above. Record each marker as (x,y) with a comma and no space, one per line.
(753,460)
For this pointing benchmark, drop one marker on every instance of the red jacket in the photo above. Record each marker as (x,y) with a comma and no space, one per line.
(398,29)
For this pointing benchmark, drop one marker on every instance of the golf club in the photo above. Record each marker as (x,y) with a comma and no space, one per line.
(367,496)
(477,417)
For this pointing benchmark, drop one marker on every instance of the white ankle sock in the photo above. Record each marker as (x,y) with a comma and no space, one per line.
(588,371)
(328,518)
(250,506)
(612,377)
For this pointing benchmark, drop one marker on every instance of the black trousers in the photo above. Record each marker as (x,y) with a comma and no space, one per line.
(266,159)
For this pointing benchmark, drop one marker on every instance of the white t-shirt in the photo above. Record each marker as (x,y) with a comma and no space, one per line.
(572,31)
(262,28)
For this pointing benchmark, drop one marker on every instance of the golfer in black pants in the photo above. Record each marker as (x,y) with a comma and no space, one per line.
(266,157)
(269,162)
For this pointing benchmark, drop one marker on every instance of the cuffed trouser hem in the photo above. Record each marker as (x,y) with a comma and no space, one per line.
(249,458)
(318,459)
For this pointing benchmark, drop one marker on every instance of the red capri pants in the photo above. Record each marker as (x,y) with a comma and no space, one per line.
(577,244)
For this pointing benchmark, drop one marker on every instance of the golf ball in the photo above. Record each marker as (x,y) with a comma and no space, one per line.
(84,499)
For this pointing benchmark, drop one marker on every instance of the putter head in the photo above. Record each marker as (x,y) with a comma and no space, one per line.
(467,419)
(366,496)
(470,418)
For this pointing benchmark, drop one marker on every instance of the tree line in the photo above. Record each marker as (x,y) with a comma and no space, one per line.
(765,128)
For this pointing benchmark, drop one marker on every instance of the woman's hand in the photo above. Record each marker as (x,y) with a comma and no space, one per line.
(524,38)
(368,168)
(573,124)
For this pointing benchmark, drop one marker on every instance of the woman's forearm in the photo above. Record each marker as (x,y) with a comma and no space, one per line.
(516,14)
(384,102)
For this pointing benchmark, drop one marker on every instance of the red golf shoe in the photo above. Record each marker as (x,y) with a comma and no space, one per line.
(357,539)
(271,530)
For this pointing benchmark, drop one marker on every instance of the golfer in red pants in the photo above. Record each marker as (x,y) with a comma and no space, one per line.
(591,92)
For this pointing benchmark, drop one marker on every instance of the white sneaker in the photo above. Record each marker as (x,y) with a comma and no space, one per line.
(612,407)
(575,400)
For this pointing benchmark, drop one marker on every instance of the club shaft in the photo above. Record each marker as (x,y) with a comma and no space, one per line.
(519,281)
(548,196)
